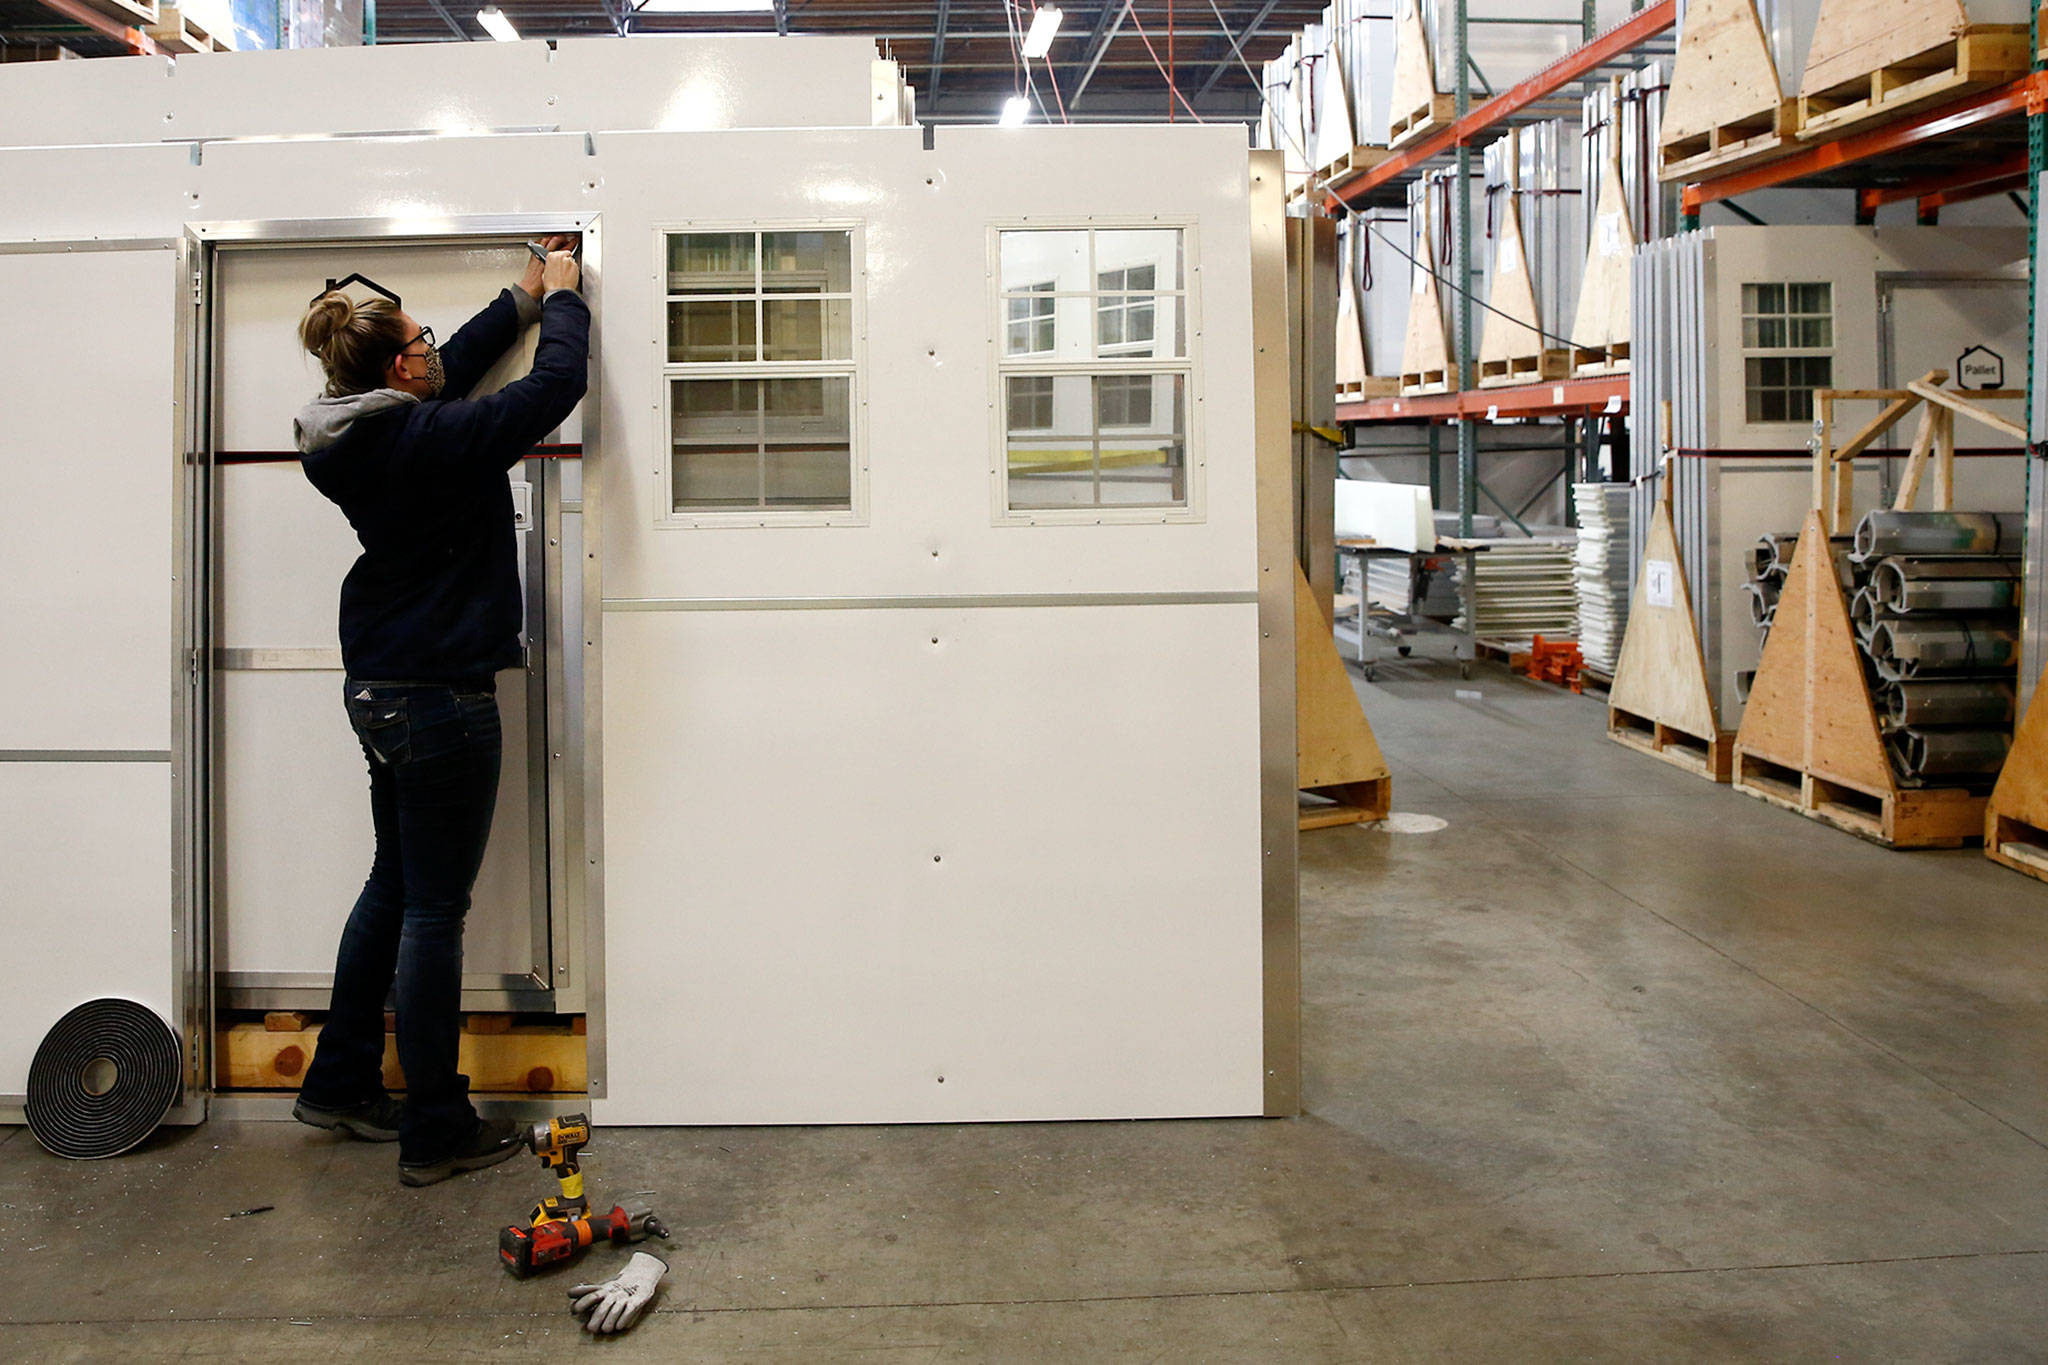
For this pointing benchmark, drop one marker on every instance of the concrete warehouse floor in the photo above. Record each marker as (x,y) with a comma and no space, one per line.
(1619,1065)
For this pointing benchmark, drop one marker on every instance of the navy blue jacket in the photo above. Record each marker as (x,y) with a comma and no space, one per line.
(435,596)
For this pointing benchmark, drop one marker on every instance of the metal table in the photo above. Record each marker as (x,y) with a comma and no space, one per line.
(1382,633)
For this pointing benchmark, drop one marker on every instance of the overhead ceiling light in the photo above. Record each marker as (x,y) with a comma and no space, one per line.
(497,25)
(1045,24)
(1015,110)
(705,7)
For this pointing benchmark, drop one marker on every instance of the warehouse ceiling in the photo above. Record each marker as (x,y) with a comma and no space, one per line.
(1109,61)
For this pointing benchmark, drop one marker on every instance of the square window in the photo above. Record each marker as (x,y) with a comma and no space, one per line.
(759,370)
(1095,410)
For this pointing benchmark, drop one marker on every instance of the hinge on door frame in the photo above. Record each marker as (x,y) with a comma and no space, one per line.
(194,660)
(197,283)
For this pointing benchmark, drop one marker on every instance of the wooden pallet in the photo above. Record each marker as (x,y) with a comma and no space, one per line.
(1350,165)
(1540,368)
(1438,111)
(1747,140)
(1416,383)
(176,31)
(134,13)
(1977,59)
(1902,817)
(1371,386)
(1357,803)
(1590,362)
(1712,759)
(516,1059)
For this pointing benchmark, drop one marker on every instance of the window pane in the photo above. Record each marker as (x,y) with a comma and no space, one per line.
(1051,461)
(816,476)
(1152,255)
(806,329)
(807,411)
(1032,257)
(1145,463)
(807,262)
(711,478)
(1813,332)
(714,410)
(1763,298)
(711,263)
(1029,399)
(710,330)
(1812,298)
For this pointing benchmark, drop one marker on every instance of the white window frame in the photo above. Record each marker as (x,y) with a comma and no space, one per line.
(1188,366)
(1786,352)
(854,368)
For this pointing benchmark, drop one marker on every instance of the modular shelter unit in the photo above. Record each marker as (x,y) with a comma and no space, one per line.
(906,730)
(1738,326)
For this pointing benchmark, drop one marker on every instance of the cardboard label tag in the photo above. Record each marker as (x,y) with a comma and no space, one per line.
(1659,583)
(1610,234)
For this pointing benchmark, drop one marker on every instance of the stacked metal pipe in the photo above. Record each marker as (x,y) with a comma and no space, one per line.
(1934,599)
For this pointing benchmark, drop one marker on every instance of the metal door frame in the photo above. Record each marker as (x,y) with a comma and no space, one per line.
(574,936)
(1889,283)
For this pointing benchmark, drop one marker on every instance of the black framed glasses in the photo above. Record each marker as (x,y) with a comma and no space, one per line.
(426,334)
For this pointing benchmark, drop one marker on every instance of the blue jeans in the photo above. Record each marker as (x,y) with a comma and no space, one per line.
(434,751)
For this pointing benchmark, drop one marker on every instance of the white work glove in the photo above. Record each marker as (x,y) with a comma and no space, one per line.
(615,1305)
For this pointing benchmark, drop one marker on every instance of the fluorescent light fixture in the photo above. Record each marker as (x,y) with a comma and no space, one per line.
(497,25)
(1015,110)
(705,7)
(1045,25)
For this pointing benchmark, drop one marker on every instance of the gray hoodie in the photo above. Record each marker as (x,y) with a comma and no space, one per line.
(325,420)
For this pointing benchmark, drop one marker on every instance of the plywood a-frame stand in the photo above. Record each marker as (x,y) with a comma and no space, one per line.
(2016,818)
(1511,345)
(1426,353)
(1336,756)
(1725,107)
(1870,63)
(1602,329)
(1810,739)
(1416,106)
(1660,702)
(1355,379)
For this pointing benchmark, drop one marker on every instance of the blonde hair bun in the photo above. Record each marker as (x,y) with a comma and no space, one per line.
(329,314)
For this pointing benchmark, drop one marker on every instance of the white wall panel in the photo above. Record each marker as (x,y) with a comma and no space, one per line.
(844,862)
(584,85)
(86,532)
(87,895)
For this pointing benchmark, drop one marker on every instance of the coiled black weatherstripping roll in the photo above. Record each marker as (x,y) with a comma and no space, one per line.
(102,1080)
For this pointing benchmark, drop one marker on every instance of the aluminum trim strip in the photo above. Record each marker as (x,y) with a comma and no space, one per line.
(85,755)
(278,660)
(56,245)
(940,603)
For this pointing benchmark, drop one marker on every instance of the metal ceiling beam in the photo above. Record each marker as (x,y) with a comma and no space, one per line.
(1106,29)
(1237,42)
(448,19)
(938,65)
(782,17)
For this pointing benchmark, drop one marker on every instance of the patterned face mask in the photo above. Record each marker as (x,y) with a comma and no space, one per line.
(437,377)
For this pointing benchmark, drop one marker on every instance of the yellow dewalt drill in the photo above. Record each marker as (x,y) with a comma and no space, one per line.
(557,1142)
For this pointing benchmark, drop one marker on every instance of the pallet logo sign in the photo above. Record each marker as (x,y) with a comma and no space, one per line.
(1980,367)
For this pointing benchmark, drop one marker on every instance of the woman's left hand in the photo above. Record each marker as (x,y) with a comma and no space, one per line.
(531,280)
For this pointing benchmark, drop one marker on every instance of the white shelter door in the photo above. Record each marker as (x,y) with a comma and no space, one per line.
(291,810)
